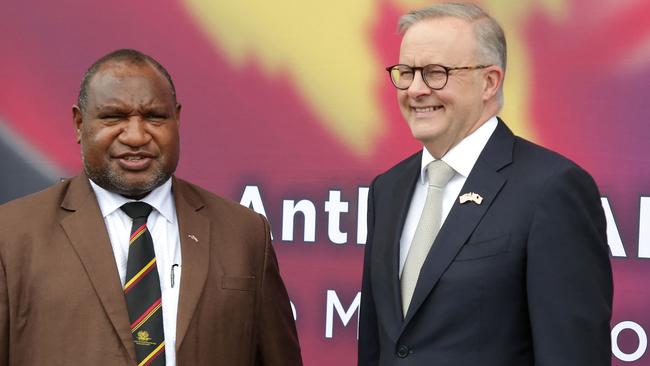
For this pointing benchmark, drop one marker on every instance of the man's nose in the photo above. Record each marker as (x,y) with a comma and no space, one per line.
(418,86)
(134,132)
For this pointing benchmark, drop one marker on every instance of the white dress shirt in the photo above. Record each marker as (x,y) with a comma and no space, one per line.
(163,226)
(461,158)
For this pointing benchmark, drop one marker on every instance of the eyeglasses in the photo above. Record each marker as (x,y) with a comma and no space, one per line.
(434,76)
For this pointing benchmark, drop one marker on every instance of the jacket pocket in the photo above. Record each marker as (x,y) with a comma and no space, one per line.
(241,283)
(482,248)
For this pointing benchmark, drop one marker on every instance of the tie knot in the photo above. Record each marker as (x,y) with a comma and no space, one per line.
(137,209)
(439,173)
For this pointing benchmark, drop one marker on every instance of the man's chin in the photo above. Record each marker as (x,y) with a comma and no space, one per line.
(426,136)
(128,186)
(133,192)
(137,189)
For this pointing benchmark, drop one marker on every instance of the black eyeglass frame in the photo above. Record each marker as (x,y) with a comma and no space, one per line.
(421,68)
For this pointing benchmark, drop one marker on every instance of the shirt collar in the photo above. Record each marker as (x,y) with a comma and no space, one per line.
(160,199)
(463,156)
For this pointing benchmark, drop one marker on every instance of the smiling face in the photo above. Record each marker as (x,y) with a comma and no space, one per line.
(129,129)
(440,119)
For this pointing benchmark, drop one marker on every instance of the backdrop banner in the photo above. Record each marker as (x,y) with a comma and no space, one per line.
(288,110)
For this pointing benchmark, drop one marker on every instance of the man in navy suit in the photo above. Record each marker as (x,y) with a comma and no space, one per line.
(505,261)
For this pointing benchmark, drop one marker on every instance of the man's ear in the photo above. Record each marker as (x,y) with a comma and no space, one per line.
(77,121)
(178,113)
(493,78)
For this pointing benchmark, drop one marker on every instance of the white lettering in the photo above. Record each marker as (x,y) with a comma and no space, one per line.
(252,198)
(289,210)
(333,302)
(362,215)
(644,228)
(293,310)
(640,333)
(613,236)
(335,207)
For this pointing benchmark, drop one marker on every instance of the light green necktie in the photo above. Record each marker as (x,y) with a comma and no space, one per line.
(439,174)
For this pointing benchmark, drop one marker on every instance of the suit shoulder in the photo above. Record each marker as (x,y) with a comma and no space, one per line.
(532,153)
(31,215)
(241,230)
(216,204)
(540,165)
(47,199)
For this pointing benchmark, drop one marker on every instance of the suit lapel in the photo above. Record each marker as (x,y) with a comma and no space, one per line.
(463,218)
(388,253)
(194,233)
(87,233)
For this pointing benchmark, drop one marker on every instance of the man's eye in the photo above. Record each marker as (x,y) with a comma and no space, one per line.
(111,116)
(435,74)
(156,117)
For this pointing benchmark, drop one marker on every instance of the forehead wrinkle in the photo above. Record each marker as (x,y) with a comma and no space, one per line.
(118,105)
(116,89)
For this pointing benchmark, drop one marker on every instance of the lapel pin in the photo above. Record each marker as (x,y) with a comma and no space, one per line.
(471,196)
(193,237)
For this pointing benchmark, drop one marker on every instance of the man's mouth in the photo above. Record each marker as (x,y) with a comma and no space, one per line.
(426,109)
(135,155)
(135,161)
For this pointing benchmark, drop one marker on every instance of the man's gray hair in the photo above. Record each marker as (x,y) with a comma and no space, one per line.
(489,34)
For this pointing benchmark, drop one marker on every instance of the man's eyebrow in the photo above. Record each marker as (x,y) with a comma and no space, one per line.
(154,105)
(110,103)
(110,108)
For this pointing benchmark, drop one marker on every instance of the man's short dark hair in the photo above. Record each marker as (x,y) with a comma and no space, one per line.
(125,55)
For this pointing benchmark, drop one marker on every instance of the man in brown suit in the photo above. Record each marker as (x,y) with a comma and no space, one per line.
(63,251)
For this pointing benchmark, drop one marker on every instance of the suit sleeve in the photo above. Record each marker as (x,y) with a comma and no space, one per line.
(277,339)
(569,278)
(368,352)
(4,316)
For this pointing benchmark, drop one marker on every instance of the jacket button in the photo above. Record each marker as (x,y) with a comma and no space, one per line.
(402,351)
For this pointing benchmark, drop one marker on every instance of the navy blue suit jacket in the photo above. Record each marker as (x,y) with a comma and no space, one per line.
(524,278)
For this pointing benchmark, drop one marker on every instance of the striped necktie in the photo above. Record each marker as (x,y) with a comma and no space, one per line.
(142,290)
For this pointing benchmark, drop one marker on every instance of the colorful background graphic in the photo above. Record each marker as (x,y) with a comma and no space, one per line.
(286,106)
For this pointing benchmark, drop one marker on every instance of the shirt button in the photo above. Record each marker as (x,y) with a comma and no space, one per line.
(402,351)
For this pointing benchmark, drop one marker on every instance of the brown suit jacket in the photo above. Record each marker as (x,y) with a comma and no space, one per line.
(61,301)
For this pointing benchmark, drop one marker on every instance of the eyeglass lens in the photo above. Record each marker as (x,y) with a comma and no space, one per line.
(435,76)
